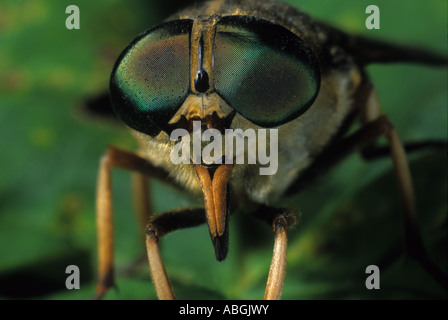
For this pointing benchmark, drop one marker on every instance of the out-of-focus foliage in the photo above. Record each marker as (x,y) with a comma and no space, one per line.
(49,152)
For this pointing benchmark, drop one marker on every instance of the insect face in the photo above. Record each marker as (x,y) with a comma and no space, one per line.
(213,70)
(242,67)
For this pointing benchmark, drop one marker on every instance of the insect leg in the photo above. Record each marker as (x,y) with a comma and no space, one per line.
(414,243)
(280,219)
(376,126)
(374,152)
(157,228)
(143,209)
(111,159)
(142,200)
(105,229)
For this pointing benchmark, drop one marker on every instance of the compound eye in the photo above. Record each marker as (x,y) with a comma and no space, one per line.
(263,70)
(150,80)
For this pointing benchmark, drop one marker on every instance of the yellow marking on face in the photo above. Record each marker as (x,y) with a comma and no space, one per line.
(205,30)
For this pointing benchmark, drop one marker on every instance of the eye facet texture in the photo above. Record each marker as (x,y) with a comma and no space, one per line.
(264,71)
(150,80)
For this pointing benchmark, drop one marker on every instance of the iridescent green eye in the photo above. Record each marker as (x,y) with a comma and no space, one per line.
(150,80)
(264,71)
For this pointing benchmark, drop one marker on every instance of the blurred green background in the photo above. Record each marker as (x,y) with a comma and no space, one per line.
(49,153)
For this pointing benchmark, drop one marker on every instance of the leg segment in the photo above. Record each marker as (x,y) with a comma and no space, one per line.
(105,229)
(158,227)
(125,160)
(374,152)
(280,219)
(142,201)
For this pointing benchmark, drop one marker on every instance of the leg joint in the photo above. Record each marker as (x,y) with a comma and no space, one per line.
(287,218)
(278,217)
(154,232)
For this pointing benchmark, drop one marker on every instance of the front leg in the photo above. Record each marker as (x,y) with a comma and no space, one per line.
(105,228)
(157,228)
(115,158)
(280,219)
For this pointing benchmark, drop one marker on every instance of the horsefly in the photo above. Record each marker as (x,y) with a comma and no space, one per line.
(240,103)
